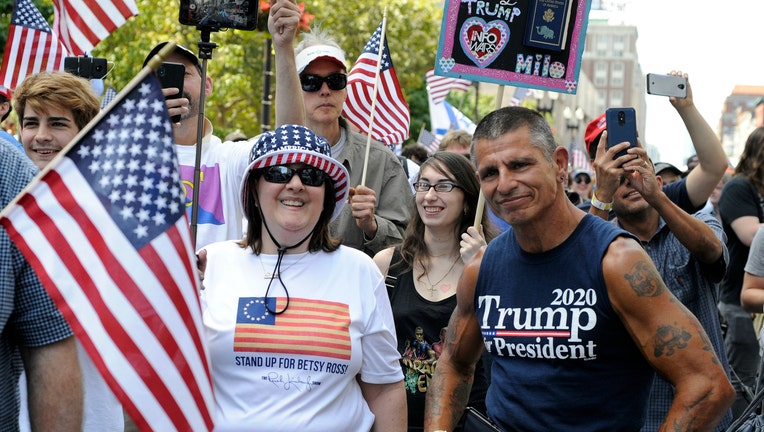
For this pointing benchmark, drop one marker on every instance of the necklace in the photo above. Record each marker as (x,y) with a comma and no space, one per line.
(270,275)
(433,285)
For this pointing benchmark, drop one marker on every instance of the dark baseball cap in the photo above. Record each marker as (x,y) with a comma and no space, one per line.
(180,50)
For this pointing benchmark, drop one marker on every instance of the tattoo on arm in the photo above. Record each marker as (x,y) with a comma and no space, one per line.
(669,339)
(644,280)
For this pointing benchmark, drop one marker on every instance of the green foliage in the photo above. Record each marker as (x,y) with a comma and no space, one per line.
(236,66)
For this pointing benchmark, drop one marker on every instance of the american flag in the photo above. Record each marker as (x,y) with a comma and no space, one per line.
(31,46)
(439,86)
(428,140)
(391,112)
(82,24)
(308,327)
(578,158)
(105,229)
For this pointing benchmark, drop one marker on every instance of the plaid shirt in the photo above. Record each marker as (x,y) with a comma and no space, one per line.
(28,316)
(693,283)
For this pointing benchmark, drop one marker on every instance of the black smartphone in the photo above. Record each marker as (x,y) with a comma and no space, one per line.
(216,14)
(621,126)
(667,85)
(172,75)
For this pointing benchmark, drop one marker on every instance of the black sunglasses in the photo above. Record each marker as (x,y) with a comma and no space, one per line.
(313,83)
(309,176)
(584,179)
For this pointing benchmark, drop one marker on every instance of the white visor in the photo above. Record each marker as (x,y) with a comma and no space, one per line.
(306,56)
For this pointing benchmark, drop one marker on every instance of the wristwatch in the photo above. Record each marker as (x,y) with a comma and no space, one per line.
(601,205)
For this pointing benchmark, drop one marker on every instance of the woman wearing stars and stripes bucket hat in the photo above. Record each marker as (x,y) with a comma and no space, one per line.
(292,317)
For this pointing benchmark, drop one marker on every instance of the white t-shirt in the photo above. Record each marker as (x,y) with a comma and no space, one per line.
(222,169)
(296,371)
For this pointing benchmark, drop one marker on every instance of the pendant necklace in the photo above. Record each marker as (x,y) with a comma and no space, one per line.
(270,275)
(433,285)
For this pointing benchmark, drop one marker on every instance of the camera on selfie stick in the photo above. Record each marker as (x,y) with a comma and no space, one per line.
(208,16)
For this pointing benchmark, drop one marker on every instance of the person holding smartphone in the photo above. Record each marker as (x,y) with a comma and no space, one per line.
(689,193)
(571,308)
(223,166)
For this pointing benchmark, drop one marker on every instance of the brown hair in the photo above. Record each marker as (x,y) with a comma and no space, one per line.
(56,89)
(320,239)
(751,164)
(460,171)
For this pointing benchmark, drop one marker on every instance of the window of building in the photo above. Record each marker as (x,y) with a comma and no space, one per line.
(616,74)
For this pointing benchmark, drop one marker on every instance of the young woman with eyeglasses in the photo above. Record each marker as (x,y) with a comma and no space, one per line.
(422,273)
(299,327)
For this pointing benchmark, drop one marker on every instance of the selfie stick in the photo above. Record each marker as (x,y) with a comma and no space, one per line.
(481,198)
(205,52)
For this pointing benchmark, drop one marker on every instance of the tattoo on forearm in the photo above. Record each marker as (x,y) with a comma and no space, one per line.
(669,339)
(644,280)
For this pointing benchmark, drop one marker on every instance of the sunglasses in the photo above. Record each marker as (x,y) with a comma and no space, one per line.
(583,179)
(309,176)
(313,83)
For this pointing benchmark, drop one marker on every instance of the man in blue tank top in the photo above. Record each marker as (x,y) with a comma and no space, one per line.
(570,307)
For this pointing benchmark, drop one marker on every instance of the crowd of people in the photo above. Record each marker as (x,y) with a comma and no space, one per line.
(345,288)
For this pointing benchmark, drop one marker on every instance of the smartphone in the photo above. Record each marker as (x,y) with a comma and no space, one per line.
(667,85)
(172,75)
(621,126)
(216,14)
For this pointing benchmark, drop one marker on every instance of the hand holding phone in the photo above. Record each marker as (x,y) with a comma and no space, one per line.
(667,85)
(621,126)
(171,75)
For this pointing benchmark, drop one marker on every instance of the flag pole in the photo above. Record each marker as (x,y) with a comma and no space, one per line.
(374,95)
(150,67)
(480,208)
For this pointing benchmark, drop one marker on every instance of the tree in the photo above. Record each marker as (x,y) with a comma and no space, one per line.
(236,66)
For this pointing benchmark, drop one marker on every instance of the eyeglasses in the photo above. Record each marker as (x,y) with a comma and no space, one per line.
(583,179)
(309,176)
(313,83)
(439,187)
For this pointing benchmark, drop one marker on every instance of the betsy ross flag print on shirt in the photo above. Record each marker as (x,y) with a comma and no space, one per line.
(104,228)
(311,327)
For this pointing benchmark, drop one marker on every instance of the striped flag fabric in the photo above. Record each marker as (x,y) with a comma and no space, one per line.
(578,158)
(391,116)
(439,86)
(308,327)
(81,24)
(105,229)
(31,46)
(428,140)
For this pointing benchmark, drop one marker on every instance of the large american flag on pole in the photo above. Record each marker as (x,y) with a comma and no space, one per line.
(439,86)
(104,227)
(31,46)
(391,118)
(81,24)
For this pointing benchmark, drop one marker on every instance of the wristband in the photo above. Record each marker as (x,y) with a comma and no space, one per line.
(601,205)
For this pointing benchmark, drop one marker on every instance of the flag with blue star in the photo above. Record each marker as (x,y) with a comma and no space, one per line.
(105,229)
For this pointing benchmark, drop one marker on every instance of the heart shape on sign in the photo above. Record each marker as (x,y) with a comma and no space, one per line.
(447,63)
(483,42)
